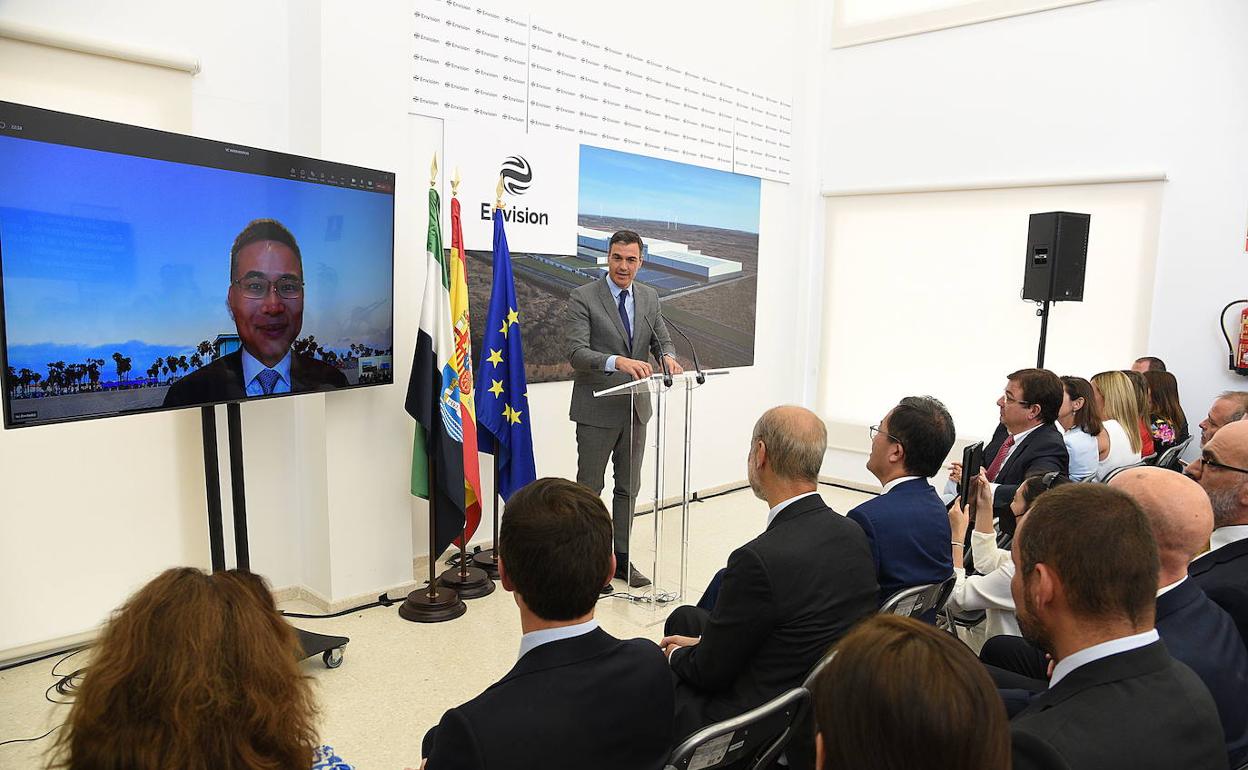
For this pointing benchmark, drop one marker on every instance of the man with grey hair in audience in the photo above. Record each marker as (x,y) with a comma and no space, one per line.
(1222,471)
(785,597)
(1230,406)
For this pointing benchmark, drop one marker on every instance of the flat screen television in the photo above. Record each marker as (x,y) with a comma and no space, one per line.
(143,270)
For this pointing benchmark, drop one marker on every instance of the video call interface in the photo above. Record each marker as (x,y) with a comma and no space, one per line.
(117,286)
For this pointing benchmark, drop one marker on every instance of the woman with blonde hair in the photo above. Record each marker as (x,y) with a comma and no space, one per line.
(901,694)
(1120,441)
(199,672)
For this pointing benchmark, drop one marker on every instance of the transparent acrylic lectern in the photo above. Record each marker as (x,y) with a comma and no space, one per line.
(661,438)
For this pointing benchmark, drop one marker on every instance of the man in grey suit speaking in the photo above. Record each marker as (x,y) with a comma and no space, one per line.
(606,322)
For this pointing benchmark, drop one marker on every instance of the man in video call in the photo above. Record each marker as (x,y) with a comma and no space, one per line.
(266,302)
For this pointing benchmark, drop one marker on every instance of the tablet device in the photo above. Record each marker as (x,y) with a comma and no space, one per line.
(972,464)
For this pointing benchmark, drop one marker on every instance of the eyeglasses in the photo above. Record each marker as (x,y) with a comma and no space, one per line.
(1207,461)
(256,287)
(1011,400)
(874,430)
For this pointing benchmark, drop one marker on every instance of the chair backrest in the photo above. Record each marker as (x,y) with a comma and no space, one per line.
(1169,458)
(1110,476)
(918,600)
(752,740)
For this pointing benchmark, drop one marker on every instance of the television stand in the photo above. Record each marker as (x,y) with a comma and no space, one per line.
(327,646)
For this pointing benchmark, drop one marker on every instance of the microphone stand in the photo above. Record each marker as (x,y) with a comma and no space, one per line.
(697,367)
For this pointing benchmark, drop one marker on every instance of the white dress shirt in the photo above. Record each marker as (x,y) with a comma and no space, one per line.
(535,639)
(890,486)
(1227,535)
(630,307)
(1103,650)
(771,515)
(252,367)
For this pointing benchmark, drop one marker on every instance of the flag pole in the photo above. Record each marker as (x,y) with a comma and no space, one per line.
(469,581)
(435,603)
(488,558)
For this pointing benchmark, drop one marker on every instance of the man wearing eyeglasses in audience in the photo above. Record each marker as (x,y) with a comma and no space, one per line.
(1222,571)
(1026,442)
(265,299)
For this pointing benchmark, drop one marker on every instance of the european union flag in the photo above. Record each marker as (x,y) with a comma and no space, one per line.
(503,427)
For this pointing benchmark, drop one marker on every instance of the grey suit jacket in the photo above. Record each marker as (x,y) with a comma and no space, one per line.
(594,333)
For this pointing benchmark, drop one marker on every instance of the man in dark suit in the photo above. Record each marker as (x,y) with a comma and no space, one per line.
(907,526)
(607,323)
(265,299)
(1085,592)
(577,697)
(1025,443)
(786,596)
(1222,471)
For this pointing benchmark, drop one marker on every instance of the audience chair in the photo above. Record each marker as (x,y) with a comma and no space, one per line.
(1110,476)
(752,741)
(1169,459)
(913,602)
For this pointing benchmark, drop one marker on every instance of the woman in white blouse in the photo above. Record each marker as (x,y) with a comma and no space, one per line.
(990,590)
(1120,441)
(1080,421)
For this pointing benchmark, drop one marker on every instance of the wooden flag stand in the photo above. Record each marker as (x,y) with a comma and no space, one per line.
(434,603)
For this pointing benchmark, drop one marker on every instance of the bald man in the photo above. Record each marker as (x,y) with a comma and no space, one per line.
(1222,471)
(785,597)
(1196,631)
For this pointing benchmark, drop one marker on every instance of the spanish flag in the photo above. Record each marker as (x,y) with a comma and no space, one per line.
(461,362)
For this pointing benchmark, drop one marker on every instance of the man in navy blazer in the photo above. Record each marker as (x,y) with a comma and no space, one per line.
(1222,471)
(1025,443)
(907,526)
(1085,591)
(577,697)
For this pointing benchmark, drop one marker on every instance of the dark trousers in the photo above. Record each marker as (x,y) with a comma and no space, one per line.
(624,446)
(1018,668)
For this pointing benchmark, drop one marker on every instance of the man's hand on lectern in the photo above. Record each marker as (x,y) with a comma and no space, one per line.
(673,365)
(638,370)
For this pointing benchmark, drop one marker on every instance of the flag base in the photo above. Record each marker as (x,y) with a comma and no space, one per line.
(443,605)
(486,561)
(468,582)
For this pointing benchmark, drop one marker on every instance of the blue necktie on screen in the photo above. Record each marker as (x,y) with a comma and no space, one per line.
(628,327)
(268,379)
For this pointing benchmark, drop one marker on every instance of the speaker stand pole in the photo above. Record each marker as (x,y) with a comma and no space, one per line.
(488,559)
(328,647)
(1043,312)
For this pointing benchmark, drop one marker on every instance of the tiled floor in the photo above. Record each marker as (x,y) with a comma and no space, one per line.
(399,677)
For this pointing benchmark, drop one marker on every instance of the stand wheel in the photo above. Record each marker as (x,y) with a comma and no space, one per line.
(332,658)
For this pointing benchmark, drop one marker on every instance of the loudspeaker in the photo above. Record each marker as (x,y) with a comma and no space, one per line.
(1057,255)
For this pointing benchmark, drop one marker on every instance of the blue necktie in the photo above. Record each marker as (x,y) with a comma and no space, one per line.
(628,327)
(268,379)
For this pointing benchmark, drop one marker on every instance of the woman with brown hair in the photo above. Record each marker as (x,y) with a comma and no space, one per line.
(1166,420)
(1140,386)
(1080,421)
(901,694)
(199,672)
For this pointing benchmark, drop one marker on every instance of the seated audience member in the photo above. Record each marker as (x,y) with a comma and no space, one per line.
(1230,406)
(577,696)
(1080,422)
(1166,420)
(1026,442)
(1145,364)
(1222,471)
(1085,589)
(900,694)
(1140,386)
(195,671)
(990,590)
(907,526)
(1119,442)
(786,596)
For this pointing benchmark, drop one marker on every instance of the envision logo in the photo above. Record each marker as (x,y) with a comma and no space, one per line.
(517,177)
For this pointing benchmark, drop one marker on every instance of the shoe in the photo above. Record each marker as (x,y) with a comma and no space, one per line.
(634,576)
(607,589)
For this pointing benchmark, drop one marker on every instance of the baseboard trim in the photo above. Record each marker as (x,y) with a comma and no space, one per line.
(16,656)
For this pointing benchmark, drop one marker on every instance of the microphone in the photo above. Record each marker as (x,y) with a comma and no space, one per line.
(701,378)
(667,373)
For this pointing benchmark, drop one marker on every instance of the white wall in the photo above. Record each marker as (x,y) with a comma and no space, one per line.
(1110,88)
(327,476)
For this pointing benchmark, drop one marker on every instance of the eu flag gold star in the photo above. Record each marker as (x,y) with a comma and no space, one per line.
(504,329)
(497,387)
(513,317)
(515,415)
(507,413)
(495,357)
